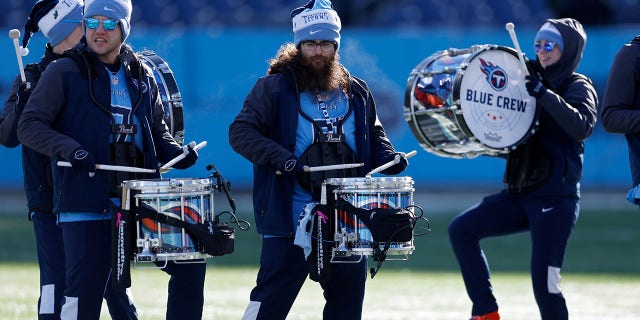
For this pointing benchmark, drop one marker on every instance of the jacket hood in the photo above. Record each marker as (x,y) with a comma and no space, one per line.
(574,38)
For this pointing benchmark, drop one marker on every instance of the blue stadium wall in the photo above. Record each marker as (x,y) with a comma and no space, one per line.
(216,68)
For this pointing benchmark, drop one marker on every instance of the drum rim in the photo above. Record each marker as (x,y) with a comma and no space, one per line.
(168,183)
(393,178)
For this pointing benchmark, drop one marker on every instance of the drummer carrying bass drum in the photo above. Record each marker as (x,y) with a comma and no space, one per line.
(542,177)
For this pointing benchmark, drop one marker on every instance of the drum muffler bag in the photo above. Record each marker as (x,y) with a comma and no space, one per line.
(216,239)
(385,224)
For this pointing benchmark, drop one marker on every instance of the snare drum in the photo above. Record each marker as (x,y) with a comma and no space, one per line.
(188,200)
(470,102)
(350,234)
(169,93)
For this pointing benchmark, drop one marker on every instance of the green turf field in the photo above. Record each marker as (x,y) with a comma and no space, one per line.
(601,276)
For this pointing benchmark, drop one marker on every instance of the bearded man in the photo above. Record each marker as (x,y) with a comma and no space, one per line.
(307,111)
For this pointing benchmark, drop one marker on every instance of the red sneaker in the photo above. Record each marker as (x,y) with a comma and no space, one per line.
(489,316)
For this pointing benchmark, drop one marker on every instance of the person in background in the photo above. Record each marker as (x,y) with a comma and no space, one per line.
(60,23)
(620,111)
(309,111)
(100,105)
(542,178)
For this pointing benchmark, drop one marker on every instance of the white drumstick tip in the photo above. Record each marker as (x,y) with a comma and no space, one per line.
(14,33)
(509,26)
(24,51)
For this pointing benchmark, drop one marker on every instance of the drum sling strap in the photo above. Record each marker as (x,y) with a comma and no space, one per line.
(123,246)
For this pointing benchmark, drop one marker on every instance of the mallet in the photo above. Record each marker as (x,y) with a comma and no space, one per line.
(512,32)
(15,34)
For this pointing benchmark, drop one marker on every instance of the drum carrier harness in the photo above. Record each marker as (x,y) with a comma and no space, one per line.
(122,153)
(328,148)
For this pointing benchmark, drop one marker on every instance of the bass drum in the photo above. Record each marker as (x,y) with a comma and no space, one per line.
(463,103)
(169,93)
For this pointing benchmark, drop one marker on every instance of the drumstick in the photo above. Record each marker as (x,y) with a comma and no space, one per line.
(109,167)
(185,152)
(395,160)
(15,34)
(329,167)
(512,32)
(332,167)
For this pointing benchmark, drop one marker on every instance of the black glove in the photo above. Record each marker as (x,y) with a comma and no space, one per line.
(82,161)
(292,166)
(535,88)
(398,167)
(188,160)
(22,96)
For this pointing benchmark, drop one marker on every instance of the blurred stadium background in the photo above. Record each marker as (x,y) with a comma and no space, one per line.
(217,49)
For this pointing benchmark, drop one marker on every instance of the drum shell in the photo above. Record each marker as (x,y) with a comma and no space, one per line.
(186,199)
(368,193)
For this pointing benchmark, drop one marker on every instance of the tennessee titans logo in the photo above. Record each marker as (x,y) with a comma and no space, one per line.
(496,76)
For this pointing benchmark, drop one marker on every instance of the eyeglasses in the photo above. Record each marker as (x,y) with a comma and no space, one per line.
(547,46)
(312,45)
(108,24)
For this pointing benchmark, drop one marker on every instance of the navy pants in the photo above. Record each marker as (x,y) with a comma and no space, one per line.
(186,290)
(550,221)
(88,253)
(51,261)
(87,248)
(283,271)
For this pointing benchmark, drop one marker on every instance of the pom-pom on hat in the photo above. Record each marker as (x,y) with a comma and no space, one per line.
(56,19)
(549,32)
(113,9)
(316,21)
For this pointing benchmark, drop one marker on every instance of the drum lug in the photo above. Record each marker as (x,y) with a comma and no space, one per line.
(145,255)
(343,238)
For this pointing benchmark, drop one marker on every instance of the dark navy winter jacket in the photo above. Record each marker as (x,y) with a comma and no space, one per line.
(60,117)
(567,116)
(36,167)
(621,101)
(264,132)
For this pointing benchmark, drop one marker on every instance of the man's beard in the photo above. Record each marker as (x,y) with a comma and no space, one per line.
(319,73)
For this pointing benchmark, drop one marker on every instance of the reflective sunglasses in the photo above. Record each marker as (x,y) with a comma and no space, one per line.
(108,24)
(547,46)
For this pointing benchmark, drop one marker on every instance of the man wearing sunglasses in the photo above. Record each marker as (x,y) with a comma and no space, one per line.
(310,111)
(542,177)
(100,104)
(60,23)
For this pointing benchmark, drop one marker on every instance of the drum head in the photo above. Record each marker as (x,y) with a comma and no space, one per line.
(494,101)
(169,93)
